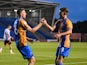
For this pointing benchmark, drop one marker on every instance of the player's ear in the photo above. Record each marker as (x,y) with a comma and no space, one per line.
(64,13)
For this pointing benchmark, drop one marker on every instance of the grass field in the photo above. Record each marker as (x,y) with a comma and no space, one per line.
(44,53)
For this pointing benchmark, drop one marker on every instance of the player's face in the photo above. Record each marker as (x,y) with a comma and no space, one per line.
(10,27)
(23,14)
(62,14)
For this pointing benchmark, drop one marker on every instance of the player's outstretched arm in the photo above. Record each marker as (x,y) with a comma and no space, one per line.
(33,30)
(48,26)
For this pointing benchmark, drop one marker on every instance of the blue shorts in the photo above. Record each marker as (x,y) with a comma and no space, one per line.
(62,51)
(25,51)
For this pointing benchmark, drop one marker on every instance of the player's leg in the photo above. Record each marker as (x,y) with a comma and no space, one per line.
(60,60)
(56,61)
(63,52)
(27,54)
(10,47)
(31,58)
(31,61)
(59,57)
(5,42)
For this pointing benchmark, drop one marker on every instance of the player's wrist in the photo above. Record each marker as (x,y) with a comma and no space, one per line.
(61,34)
(41,23)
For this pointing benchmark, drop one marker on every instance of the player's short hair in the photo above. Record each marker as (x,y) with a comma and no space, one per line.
(64,9)
(9,26)
(19,11)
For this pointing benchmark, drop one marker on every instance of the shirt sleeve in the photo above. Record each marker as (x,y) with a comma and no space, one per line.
(7,32)
(69,24)
(24,24)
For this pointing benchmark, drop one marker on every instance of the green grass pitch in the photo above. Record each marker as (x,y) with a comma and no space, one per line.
(44,53)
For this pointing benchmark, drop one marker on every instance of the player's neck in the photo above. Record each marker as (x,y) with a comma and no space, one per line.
(65,16)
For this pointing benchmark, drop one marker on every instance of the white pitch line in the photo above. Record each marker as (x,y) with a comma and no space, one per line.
(70,63)
(76,63)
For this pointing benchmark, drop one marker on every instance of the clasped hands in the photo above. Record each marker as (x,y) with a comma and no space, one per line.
(44,22)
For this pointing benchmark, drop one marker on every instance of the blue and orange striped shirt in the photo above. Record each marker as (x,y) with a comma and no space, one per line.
(20,26)
(65,39)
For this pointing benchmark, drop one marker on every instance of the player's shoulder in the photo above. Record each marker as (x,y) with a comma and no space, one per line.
(22,21)
(7,30)
(68,21)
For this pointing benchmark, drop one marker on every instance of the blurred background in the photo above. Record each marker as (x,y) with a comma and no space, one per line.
(37,9)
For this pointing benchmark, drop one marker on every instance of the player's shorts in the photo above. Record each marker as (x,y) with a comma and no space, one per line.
(62,51)
(7,42)
(25,51)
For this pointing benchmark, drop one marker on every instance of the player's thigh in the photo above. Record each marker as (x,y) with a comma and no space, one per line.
(58,51)
(5,42)
(9,43)
(65,51)
(26,52)
(62,51)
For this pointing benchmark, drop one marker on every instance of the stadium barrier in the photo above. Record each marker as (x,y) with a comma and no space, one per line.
(76,37)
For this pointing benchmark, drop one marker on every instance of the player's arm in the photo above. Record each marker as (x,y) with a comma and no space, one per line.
(35,28)
(27,27)
(29,39)
(69,30)
(48,26)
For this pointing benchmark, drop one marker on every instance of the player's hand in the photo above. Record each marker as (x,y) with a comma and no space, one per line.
(12,39)
(57,35)
(43,20)
(30,40)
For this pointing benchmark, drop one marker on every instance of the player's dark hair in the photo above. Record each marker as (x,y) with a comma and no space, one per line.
(64,9)
(8,25)
(19,11)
